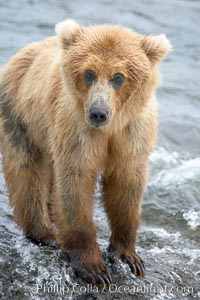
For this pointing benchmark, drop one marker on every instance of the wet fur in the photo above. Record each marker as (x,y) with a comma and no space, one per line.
(51,155)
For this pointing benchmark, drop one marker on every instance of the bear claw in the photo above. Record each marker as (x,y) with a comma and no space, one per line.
(135,263)
(93,277)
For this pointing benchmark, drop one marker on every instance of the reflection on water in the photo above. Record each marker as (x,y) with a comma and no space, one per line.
(169,235)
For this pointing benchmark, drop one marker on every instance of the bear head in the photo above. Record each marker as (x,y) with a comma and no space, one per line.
(110,70)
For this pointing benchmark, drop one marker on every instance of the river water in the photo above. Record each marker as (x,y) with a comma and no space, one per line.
(169,236)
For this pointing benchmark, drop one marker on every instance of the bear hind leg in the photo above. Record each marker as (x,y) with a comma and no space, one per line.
(29,186)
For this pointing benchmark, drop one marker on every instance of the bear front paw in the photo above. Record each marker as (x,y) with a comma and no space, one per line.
(133,260)
(92,272)
(135,263)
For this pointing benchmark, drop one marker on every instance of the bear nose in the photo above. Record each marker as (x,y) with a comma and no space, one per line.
(98,115)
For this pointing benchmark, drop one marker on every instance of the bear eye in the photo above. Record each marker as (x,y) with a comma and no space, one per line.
(89,77)
(117,81)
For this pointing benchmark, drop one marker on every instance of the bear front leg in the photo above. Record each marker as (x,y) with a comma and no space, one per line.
(124,183)
(76,232)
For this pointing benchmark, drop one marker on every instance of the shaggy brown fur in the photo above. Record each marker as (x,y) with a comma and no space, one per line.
(52,152)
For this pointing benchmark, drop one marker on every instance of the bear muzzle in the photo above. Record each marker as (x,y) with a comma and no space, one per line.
(98,115)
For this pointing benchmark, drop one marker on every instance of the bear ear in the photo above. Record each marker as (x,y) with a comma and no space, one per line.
(68,32)
(156,47)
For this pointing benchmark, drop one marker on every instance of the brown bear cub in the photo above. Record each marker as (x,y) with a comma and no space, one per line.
(72,106)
